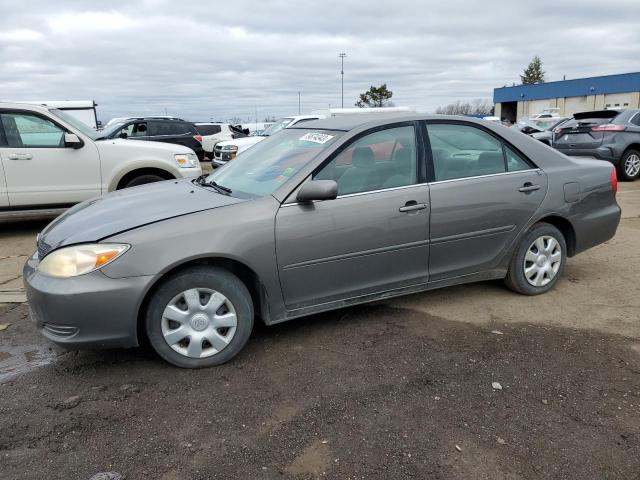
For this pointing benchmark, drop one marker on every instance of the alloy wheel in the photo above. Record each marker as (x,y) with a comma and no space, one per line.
(199,322)
(542,261)
(632,165)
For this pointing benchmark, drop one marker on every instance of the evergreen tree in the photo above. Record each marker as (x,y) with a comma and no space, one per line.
(533,73)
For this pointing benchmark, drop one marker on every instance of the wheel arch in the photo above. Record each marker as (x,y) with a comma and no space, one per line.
(130,175)
(245,273)
(565,227)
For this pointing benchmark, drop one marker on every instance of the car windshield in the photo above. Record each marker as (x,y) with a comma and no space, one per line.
(263,168)
(279,125)
(75,123)
(109,129)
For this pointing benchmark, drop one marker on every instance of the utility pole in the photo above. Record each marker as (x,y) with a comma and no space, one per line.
(342,55)
(298,103)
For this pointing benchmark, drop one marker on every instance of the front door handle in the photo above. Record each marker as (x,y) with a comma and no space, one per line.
(529,187)
(412,206)
(20,156)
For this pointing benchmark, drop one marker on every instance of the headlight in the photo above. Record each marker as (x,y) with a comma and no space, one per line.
(80,259)
(230,148)
(186,160)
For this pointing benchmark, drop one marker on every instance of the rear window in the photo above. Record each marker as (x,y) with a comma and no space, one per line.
(591,118)
(208,129)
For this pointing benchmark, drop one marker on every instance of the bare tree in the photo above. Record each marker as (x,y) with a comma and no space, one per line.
(479,106)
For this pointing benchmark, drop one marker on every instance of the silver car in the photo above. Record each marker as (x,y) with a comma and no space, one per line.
(332,213)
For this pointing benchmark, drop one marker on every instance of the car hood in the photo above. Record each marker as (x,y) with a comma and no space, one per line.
(242,143)
(159,147)
(123,210)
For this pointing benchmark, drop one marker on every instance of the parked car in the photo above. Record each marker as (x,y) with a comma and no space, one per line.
(212,133)
(546,134)
(157,129)
(228,150)
(319,216)
(612,135)
(50,160)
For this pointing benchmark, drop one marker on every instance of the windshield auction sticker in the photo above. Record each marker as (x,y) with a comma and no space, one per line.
(316,137)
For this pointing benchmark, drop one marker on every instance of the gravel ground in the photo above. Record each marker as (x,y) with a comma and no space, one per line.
(399,389)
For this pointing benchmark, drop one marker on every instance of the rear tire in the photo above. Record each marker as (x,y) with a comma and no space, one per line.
(143,179)
(538,261)
(200,317)
(629,166)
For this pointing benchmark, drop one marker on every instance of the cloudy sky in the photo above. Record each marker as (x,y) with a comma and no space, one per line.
(218,59)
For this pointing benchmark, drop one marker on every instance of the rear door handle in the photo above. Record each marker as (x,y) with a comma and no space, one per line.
(529,187)
(20,156)
(412,206)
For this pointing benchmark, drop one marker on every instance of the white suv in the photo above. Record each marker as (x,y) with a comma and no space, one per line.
(212,133)
(49,161)
(230,149)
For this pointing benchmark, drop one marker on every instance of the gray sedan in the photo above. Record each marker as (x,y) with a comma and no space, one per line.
(336,212)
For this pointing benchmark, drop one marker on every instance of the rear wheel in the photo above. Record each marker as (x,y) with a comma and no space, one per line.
(538,261)
(200,318)
(143,179)
(629,167)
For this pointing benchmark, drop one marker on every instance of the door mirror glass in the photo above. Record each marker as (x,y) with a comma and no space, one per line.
(317,190)
(71,140)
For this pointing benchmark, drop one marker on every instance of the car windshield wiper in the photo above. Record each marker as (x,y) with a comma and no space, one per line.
(201,180)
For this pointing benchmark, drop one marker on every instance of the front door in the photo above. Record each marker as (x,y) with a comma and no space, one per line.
(39,170)
(372,238)
(482,194)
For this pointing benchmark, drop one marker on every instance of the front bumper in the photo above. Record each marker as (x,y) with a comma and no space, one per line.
(88,311)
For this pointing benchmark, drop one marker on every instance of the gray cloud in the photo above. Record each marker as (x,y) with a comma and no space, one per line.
(202,60)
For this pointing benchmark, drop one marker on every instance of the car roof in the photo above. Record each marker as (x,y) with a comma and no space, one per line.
(350,122)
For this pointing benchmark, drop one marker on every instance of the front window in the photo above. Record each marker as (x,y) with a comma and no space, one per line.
(23,130)
(269,164)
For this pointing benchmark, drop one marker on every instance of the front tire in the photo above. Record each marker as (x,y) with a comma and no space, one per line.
(200,317)
(538,261)
(629,167)
(143,180)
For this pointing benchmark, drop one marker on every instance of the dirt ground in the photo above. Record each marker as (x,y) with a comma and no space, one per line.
(396,389)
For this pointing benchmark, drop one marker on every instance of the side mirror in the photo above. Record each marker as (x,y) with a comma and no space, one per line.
(317,190)
(123,135)
(71,140)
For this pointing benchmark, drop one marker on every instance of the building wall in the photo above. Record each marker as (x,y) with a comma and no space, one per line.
(570,105)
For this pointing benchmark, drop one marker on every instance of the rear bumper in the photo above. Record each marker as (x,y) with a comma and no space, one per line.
(88,311)
(601,153)
(597,226)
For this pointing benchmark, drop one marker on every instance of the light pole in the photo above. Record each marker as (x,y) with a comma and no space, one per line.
(298,103)
(342,55)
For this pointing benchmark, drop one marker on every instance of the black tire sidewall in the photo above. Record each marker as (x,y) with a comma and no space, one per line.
(201,277)
(143,180)
(621,173)
(515,277)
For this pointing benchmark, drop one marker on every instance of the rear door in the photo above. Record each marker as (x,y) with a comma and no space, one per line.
(578,133)
(483,193)
(39,169)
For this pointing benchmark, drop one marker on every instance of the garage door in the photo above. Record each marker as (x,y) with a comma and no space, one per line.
(617,100)
(578,104)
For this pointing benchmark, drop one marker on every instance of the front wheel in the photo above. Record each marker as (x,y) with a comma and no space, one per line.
(629,168)
(538,260)
(200,318)
(143,180)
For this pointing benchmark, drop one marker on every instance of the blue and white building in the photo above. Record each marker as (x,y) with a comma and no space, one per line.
(568,96)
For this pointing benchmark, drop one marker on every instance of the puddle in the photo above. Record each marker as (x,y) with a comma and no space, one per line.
(15,361)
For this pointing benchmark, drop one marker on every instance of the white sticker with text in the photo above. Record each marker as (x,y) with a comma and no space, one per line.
(316,137)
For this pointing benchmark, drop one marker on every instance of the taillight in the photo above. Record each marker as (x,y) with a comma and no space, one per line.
(198,138)
(614,180)
(608,127)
